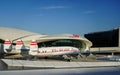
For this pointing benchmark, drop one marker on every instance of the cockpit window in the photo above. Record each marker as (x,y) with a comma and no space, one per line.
(63,42)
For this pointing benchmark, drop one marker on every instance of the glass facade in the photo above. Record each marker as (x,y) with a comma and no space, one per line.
(63,42)
(105,38)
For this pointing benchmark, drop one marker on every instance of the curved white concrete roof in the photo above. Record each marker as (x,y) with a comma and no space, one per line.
(15,34)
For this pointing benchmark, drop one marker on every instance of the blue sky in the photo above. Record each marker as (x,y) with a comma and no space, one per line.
(60,16)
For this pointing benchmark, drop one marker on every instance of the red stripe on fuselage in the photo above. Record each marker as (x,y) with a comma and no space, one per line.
(45,52)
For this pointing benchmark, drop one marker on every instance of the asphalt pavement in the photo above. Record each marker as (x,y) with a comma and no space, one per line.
(73,71)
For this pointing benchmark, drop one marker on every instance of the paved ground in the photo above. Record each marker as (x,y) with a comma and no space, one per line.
(73,71)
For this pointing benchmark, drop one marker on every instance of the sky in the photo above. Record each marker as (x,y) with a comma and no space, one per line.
(60,16)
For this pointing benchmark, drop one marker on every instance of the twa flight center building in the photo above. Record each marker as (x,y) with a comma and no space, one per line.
(57,40)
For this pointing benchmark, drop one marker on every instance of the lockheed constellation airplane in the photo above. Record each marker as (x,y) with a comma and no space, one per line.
(67,47)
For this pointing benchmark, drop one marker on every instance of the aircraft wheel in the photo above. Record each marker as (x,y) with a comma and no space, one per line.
(68,60)
(46,57)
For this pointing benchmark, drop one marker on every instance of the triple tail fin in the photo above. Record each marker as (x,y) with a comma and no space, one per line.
(7,46)
(19,45)
(33,45)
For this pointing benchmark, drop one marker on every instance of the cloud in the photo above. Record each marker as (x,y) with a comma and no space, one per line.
(88,12)
(52,7)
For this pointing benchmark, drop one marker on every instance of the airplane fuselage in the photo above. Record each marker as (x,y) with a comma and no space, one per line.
(52,51)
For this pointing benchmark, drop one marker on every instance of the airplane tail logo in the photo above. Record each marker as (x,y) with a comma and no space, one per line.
(75,36)
(7,45)
(33,45)
(19,45)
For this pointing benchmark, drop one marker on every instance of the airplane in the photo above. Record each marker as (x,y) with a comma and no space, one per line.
(41,52)
(67,52)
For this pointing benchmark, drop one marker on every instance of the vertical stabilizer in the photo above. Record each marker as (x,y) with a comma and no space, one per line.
(33,45)
(7,46)
(19,45)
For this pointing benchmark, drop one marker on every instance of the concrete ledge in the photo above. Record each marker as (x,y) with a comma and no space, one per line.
(105,49)
(26,64)
(3,65)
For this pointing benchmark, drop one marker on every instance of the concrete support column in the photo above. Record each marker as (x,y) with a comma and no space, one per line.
(112,53)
